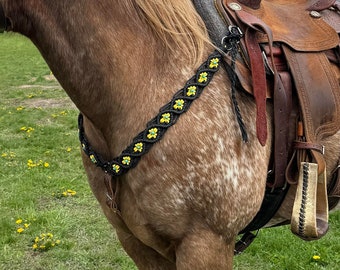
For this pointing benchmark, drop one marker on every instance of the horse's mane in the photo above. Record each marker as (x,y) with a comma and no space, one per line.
(177,24)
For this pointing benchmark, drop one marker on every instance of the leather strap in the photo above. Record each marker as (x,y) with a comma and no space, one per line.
(244,242)
(259,84)
(254,4)
(282,111)
(309,146)
(257,68)
(112,188)
(319,5)
(112,192)
(282,94)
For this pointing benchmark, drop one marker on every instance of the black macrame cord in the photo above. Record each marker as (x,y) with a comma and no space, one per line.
(168,114)
(231,45)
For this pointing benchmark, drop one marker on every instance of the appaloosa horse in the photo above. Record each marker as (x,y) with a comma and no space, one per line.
(185,202)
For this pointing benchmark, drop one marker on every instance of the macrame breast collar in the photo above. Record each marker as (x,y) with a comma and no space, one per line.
(168,114)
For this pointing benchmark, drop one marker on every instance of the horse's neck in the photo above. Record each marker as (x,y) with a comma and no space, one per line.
(113,66)
(111,69)
(97,61)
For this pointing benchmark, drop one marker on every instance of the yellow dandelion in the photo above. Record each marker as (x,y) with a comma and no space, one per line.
(68,149)
(71,192)
(31,164)
(26,225)
(35,246)
(20,230)
(46,164)
(29,129)
(316,257)
(18,221)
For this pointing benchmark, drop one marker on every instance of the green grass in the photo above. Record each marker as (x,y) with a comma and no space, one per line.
(34,194)
(29,98)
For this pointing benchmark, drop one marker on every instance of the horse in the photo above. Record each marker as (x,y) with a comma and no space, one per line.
(191,194)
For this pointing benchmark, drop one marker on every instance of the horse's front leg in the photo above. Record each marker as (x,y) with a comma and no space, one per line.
(143,256)
(203,249)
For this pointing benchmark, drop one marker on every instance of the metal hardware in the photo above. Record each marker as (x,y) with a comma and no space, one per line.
(315,14)
(235,6)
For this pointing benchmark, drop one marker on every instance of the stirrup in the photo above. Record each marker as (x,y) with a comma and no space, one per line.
(310,212)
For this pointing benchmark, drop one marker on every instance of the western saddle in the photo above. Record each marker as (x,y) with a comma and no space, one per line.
(290,53)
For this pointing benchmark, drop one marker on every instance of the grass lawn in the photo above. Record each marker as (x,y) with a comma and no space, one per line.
(49,218)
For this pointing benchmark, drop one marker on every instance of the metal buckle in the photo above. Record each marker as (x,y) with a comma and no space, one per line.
(267,66)
(232,37)
(323,149)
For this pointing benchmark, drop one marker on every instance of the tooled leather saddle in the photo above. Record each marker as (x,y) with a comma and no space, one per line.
(290,53)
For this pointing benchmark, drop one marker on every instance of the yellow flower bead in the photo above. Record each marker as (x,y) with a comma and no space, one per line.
(214,63)
(203,77)
(138,147)
(179,104)
(165,118)
(152,133)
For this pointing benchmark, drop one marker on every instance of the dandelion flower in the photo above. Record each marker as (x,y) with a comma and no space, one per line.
(316,257)
(71,192)
(18,221)
(46,165)
(20,230)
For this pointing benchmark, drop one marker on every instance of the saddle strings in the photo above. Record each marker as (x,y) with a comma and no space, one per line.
(230,44)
